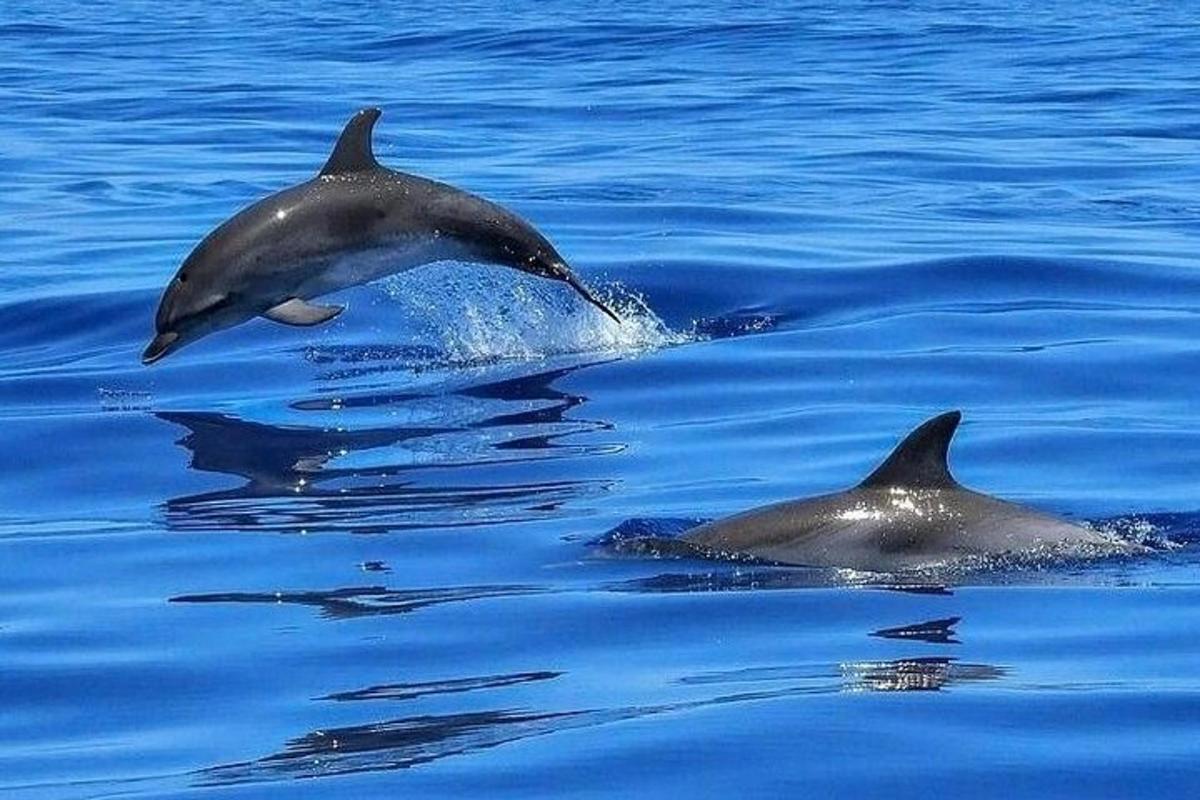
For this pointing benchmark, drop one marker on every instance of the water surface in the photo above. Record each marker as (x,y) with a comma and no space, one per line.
(355,561)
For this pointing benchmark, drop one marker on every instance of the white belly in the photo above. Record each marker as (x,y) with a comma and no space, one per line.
(363,266)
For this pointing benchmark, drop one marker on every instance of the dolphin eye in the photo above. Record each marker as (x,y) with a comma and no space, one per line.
(183,277)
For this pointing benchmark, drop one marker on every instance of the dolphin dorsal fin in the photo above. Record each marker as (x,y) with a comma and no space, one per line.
(353,152)
(920,460)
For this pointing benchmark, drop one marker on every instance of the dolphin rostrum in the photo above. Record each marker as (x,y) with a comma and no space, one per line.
(910,512)
(354,222)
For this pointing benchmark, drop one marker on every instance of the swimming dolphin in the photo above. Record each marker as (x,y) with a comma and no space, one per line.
(910,512)
(354,222)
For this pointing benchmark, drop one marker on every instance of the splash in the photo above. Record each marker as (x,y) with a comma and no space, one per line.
(1161,531)
(469,315)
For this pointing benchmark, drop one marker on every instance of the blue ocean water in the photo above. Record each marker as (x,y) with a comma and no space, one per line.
(355,561)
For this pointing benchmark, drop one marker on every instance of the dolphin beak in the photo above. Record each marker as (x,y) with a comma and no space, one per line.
(578,286)
(159,347)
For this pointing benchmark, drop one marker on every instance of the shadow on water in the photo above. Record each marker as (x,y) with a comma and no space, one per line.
(364,601)
(411,691)
(408,742)
(438,472)
(412,741)
(395,744)
(935,631)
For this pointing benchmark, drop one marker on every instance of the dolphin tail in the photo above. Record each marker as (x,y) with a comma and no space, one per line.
(578,286)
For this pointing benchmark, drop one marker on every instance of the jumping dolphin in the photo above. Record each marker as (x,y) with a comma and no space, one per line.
(354,222)
(910,512)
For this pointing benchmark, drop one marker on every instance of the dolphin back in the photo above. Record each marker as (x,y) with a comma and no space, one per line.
(909,512)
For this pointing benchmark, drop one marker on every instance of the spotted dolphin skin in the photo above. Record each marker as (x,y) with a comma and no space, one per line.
(909,513)
(354,222)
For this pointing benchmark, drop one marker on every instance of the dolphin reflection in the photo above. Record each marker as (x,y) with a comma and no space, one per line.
(935,631)
(442,473)
(419,739)
(365,601)
(925,674)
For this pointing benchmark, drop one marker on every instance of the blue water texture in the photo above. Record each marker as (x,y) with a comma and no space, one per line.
(359,560)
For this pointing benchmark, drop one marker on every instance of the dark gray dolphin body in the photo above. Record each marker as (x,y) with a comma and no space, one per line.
(354,222)
(910,512)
